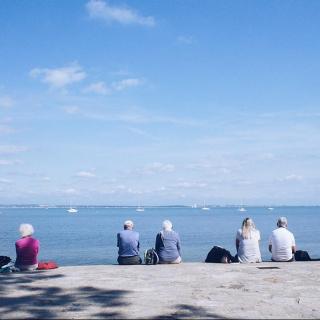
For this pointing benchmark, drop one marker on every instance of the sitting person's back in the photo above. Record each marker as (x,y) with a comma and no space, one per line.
(247,242)
(282,243)
(27,249)
(128,243)
(168,244)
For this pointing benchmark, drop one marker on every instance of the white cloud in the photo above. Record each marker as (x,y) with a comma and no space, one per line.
(292,177)
(6,129)
(72,109)
(70,191)
(158,167)
(190,185)
(98,88)
(185,40)
(85,174)
(10,149)
(59,77)
(5,181)
(126,83)
(6,102)
(5,162)
(102,10)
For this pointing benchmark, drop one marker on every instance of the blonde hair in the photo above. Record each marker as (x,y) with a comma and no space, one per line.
(26,229)
(247,227)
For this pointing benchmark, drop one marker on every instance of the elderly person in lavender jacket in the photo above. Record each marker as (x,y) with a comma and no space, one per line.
(168,244)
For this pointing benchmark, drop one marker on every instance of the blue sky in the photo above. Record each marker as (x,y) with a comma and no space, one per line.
(159,102)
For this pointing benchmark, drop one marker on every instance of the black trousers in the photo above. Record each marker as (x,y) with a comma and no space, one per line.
(129,260)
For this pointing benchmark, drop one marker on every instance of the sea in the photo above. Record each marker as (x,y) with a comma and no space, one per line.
(89,236)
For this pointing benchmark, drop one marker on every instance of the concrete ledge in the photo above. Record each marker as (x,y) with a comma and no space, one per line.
(189,290)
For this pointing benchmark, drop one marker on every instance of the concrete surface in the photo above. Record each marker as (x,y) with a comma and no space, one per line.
(189,290)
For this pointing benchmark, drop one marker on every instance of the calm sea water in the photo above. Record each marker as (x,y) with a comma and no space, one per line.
(89,237)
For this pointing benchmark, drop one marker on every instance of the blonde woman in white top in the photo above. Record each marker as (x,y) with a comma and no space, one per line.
(247,242)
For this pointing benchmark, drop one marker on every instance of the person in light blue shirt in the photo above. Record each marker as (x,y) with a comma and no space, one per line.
(168,244)
(128,244)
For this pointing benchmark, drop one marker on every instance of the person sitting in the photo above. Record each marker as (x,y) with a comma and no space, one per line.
(27,249)
(128,244)
(168,244)
(282,243)
(247,242)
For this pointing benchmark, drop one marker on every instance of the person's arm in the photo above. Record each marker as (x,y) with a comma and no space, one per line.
(38,247)
(118,240)
(237,244)
(178,245)
(158,242)
(293,245)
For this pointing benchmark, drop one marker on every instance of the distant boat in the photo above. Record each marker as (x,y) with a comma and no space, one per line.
(72,210)
(194,206)
(140,209)
(242,209)
(205,207)
(270,209)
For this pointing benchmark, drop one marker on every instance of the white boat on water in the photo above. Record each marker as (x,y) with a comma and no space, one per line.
(72,210)
(140,209)
(270,208)
(205,207)
(242,209)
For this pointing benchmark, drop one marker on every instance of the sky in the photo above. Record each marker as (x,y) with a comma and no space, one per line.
(160,102)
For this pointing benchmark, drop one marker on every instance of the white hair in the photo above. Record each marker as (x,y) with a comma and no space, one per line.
(282,222)
(128,224)
(26,229)
(167,225)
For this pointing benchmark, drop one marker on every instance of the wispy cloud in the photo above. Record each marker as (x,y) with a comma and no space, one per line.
(126,83)
(72,109)
(103,89)
(291,178)
(12,149)
(6,102)
(5,162)
(85,174)
(59,77)
(189,185)
(70,191)
(99,9)
(98,88)
(185,39)
(4,129)
(5,181)
(157,167)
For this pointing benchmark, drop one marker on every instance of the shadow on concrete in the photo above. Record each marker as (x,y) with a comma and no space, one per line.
(40,302)
(185,311)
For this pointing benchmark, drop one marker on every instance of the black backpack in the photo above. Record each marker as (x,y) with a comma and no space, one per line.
(217,253)
(4,260)
(151,257)
(302,256)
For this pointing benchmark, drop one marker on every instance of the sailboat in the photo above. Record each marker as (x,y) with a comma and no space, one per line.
(72,210)
(242,209)
(270,208)
(205,207)
(139,208)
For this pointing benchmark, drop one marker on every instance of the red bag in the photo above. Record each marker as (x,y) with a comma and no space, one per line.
(47,265)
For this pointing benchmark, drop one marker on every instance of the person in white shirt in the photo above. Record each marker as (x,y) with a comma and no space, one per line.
(282,243)
(247,242)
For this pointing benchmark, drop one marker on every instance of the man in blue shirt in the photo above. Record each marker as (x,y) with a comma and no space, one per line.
(128,244)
